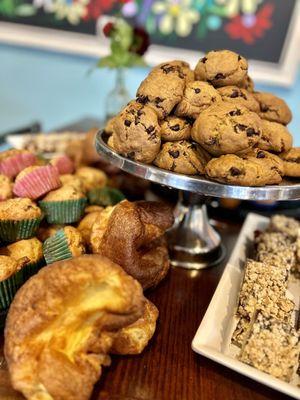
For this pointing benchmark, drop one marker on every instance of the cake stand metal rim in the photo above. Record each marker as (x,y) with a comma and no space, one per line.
(200,185)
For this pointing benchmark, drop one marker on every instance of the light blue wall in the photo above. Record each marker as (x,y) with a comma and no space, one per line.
(57,89)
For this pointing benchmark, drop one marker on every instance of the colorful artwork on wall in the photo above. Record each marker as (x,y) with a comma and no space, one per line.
(258,29)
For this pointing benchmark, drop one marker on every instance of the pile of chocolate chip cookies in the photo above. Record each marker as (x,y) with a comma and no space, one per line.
(209,121)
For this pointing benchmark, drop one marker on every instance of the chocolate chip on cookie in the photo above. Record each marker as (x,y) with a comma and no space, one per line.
(255,169)
(273,108)
(182,157)
(222,68)
(275,137)
(174,128)
(291,162)
(196,98)
(226,128)
(136,133)
(239,96)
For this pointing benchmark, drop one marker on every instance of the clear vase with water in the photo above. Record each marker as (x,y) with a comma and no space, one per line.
(118,97)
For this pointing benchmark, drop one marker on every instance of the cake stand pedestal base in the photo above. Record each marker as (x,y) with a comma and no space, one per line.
(193,242)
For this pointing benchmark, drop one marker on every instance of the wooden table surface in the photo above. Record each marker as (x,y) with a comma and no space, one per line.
(168,369)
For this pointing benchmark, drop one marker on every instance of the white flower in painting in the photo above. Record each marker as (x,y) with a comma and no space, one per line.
(72,10)
(176,15)
(45,4)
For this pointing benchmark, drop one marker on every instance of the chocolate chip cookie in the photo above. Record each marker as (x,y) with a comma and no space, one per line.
(137,133)
(239,96)
(174,128)
(182,157)
(196,98)
(226,128)
(273,108)
(163,88)
(222,68)
(275,137)
(257,169)
(291,162)
(188,73)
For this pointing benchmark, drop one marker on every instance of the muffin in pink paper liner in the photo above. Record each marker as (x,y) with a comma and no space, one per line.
(14,161)
(63,164)
(34,182)
(6,188)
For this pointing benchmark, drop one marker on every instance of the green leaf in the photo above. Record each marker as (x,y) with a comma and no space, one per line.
(107,62)
(25,10)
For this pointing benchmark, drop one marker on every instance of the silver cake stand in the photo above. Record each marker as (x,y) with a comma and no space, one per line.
(193,242)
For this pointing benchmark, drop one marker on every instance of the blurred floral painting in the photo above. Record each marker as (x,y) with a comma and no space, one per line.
(190,24)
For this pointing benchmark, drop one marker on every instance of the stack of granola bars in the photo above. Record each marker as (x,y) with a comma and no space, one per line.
(266,330)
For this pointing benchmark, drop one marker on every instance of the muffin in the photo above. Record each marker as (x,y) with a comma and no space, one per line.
(19,219)
(14,161)
(10,281)
(72,180)
(64,205)
(91,178)
(6,187)
(86,224)
(65,243)
(32,250)
(93,208)
(34,182)
(63,164)
(105,196)
(45,231)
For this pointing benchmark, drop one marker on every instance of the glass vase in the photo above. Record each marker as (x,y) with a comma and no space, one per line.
(118,97)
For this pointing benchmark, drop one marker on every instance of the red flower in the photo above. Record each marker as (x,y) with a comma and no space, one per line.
(95,8)
(140,42)
(250,28)
(108,28)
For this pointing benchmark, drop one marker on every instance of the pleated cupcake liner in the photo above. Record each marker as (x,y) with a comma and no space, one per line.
(105,196)
(63,212)
(56,248)
(3,315)
(38,182)
(11,231)
(8,289)
(63,164)
(15,164)
(32,268)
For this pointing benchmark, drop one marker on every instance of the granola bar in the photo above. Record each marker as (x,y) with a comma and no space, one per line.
(287,225)
(272,346)
(263,286)
(282,309)
(273,242)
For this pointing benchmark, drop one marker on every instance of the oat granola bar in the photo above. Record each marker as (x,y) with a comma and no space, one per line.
(272,346)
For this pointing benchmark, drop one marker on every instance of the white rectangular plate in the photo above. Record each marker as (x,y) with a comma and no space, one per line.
(213,337)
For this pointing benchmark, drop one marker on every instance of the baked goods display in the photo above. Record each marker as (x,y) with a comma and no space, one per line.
(209,121)
(266,332)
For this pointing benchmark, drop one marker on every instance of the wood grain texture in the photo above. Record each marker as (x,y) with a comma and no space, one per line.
(169,369)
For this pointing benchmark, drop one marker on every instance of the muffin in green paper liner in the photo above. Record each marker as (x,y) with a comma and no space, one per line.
(105,196)
(29,252)
(19,219)
(63,206)
(65,243)
(11,278)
